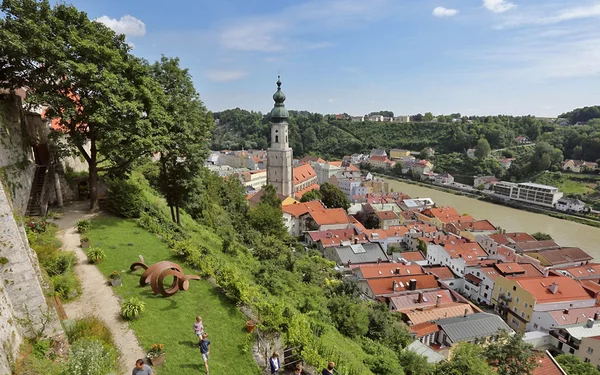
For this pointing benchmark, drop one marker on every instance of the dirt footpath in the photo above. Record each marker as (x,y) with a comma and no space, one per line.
(97,298)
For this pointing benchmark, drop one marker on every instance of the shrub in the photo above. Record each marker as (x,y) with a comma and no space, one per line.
(35,225)
(90,328)
(132,308)
(83,225)
(41,348)
(95,255)
(90,357)
(60,263)
(115,275)
(66,286)
(125,198)
(3,261)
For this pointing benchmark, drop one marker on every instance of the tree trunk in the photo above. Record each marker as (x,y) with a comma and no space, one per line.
(177,210)
(172,213)
(93,180)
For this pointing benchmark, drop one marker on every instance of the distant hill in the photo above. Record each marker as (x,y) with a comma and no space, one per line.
(584,114)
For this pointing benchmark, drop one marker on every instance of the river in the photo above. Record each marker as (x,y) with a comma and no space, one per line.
(564,232)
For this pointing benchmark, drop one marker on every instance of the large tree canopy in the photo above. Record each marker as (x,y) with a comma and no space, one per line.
(102,97)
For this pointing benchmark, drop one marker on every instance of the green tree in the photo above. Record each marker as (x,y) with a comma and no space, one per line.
(183,149)
(101,97)
(309,139)
(334,197)
(270,197)
(397,169)
(422,247)
(577,152)
(575,366)
(511,355)
(312,195)
(425,154)
(268,220)
(415,364)
(540,236)
(466,359)
(428,116)
(349,317)
(544,163)
(483,149)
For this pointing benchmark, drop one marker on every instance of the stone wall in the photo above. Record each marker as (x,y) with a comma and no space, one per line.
(17,165)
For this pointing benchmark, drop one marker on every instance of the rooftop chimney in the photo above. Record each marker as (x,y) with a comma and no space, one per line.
(398,270)
(420,299)
(466,312)
(413,284)
(553,288)
(394,285)
(546,272)
(378,260)
(589,323)
(438,300)
(566,311)
(597,315)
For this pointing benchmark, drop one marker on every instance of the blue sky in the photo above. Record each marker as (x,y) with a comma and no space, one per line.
(518,57)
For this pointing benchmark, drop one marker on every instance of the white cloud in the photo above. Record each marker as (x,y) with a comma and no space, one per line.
(498,6)
(444,12)
(331,100)
(128,25)
(221,75)
(296,27)
(537,16)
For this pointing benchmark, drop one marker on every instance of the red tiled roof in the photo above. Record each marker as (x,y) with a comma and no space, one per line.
(386,215)
(311,158)
(330,216)
(357,224)
(384,286)
(564,255)
(300,209)
(479,225)
(547,366)
(508,238)
(572,316)
(441,272)
(509,268)
(441,212)
(302,173)
(380,158)
(536,245)
(468,251)
(333,233)
(568,289)
(298,195)
(473,279)
(412,256)
(411,301)
(428,314)
(588,270)
(407,215)
(375,271)
(457,219)
(424,329)
(490,272)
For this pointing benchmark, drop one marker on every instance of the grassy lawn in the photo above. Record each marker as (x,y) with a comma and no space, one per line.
(568,183)
(170,320)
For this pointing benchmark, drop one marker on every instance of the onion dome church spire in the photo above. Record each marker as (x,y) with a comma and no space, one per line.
(279,113)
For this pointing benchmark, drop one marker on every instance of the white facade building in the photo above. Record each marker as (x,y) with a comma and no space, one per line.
(570,205)
(543,195)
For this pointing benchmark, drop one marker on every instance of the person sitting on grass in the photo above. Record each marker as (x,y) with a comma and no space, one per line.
(141,368)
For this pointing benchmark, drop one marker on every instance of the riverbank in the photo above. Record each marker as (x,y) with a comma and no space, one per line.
(475,194)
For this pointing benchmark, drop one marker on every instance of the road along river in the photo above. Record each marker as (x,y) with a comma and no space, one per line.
(564,232)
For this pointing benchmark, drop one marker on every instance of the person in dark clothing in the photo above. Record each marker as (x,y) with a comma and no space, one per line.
(275,363)
(329,369)
(141,368)
(205,350)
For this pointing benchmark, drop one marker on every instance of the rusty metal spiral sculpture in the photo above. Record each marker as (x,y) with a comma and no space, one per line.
(156,273)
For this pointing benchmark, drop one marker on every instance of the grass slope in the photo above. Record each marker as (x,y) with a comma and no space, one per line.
(170,320)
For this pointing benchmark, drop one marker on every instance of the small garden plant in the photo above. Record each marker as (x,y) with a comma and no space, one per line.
(95,255)
(156,350)
(132,308)
(115,275)
(82,225)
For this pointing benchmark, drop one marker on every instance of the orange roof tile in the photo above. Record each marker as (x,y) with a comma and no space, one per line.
(468,251)
(588,270)
(380,158)
(311,158)
(424,329)
(440,212)
(357,224)
(386,215)
(407,302)
(441,272)
(547,366)
(428,314)
(302,173)
(330,216)
(375,271)
(479,225)
(384,286)
(509,268)
(412,256)
(300,193)
(508,238)
(300,209)
(572,316)
(568,289)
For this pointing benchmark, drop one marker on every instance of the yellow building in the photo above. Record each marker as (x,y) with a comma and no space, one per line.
(397,153)
(513,302)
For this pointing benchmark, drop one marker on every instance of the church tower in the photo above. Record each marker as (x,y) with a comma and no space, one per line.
(279,155)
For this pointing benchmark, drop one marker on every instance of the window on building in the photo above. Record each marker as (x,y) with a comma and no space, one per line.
(590,350)
(517,300)
(522,315)
(508,294)
(515,322)
(586,360)
(526,305)
(276,139)
(487,287)
(515,288)
(485,295)
(572,351)
(535,325)
(500,289)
